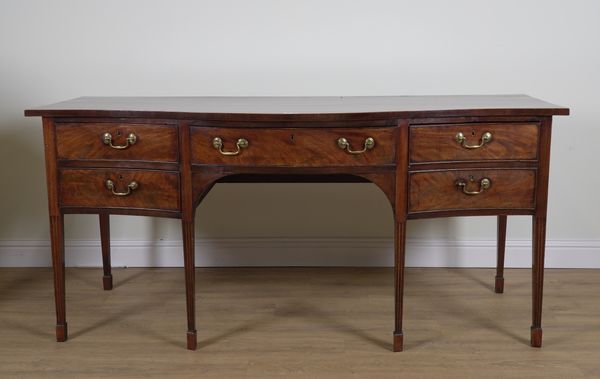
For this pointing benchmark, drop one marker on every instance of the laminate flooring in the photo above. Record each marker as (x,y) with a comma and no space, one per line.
(299,323)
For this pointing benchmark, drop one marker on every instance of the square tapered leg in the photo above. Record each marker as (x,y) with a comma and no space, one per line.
(190,281)
(400,240)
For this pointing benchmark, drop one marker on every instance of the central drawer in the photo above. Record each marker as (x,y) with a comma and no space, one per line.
(296,147)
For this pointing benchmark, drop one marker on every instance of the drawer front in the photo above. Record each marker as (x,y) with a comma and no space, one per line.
(445,190)
(89,188)
(136,142)
(297,147)
(473,141)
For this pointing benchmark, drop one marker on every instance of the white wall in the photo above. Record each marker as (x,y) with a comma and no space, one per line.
(54,50)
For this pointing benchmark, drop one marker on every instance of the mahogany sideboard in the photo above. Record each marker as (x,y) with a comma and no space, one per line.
(432,156)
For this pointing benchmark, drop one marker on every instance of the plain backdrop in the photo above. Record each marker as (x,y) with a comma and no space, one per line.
(55,50)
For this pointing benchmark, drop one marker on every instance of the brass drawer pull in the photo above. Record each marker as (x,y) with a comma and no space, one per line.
(130,188)
(345,145)
(107,139)
(241,143)
(484,184)
(485,138)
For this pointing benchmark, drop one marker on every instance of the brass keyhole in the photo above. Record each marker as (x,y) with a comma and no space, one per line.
(473,132)
(118,132)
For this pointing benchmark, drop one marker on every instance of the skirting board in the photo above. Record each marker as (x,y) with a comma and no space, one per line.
(373,252)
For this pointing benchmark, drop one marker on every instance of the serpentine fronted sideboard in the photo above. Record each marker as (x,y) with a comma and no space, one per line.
(432,156)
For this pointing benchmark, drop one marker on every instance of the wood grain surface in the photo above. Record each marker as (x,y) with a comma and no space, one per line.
(83,140)
(437,190)
(293,147)
(87,188)
(510,141)
(299,323)
(325,108)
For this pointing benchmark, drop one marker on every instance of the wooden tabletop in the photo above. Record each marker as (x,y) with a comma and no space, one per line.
(299,108)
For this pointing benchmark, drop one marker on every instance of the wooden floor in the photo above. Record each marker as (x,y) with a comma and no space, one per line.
(299,323)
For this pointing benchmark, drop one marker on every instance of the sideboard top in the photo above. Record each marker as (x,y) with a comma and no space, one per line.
(300,108)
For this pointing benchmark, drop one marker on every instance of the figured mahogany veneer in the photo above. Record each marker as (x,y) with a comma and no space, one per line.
(87,188)
(510,141)
(297,147)
(84,140)
(437,190)
(415,157)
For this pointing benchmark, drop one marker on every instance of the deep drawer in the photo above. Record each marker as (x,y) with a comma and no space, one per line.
(471,189)
(473,141)
(297,147)
(135,141)
(142,189)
